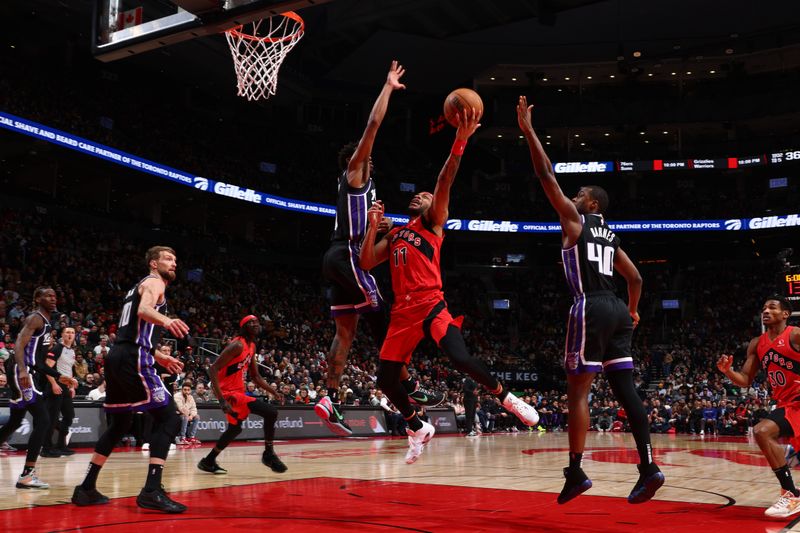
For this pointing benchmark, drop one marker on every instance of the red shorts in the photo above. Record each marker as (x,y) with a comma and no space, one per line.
(412,321)
(239,401)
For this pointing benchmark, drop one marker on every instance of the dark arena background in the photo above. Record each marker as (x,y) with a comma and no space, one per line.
(121,129)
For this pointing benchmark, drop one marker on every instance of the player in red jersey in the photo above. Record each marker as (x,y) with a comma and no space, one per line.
(419,309)
(227,379)
(777,353)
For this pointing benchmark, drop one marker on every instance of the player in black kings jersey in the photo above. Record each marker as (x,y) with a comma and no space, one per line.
(354,292)
(134,385)
(26,377)
(600,325)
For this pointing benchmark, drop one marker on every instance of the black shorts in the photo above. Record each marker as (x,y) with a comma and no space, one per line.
(22,398)
(352,290)
(599,334)
(132,382)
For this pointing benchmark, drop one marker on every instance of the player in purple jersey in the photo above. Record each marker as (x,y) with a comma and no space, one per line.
(27,371)
(353,292)
(134,385)
(600,326)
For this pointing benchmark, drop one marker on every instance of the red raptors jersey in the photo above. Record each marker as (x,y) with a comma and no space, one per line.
(781,363)
(414,258)
(231,378)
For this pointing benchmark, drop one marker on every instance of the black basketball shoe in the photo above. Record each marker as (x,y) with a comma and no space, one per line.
(271,460)
(83,497)
(210,466)
(576,484)
(158,500)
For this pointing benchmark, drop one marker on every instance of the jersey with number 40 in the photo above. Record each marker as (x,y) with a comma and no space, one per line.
(589,264)
(133,329)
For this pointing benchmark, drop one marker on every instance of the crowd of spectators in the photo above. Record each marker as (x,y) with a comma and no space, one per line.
(91,269)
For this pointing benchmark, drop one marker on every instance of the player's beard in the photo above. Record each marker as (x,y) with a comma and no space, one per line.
(415,211)
(167,276)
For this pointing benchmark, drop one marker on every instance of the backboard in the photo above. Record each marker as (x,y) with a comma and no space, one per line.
(126,27)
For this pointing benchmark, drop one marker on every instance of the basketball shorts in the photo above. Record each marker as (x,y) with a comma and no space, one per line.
(22,398)
(410,322)
(599,333)
(351,289)
(132,381)
(787,417)
(240,403)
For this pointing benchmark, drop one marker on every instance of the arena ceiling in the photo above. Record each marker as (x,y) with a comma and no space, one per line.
(450,41)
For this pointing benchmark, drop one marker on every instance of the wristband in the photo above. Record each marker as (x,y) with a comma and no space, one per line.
(458,147)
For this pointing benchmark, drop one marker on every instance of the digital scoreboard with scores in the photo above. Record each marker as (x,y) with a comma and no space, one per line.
(790,284)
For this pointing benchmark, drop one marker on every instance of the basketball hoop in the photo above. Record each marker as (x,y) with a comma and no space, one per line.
(258,49)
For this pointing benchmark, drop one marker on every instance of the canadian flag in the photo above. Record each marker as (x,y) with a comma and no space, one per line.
(130,18)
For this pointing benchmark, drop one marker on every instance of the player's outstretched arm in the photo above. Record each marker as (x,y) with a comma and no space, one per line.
(440,205)
(358,167)
(626,268)
(152,290)
(172,364)
(567,212)
(373,254)
(749,369)
(232,350)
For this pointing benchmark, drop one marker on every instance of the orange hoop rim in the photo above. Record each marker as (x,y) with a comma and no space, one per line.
(236,30)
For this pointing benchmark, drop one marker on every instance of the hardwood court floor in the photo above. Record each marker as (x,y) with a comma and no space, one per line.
(501,482)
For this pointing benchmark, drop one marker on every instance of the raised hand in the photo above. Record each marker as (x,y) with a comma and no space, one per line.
(467,123)
(375,213)
(724,363)
(524,114)
(395,73)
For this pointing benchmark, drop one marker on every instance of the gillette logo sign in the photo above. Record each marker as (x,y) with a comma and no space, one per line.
(201,183)
(234,191)
(491,225)
(787,221)
(590,167)
(453,224)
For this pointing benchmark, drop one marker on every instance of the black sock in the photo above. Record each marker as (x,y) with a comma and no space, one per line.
(621,382)
(212,455)
(27,470)
(91,476)
(410,385)
(333,394)
(575,460)
(153,477)
(784,476)
(414,423)
(268,448)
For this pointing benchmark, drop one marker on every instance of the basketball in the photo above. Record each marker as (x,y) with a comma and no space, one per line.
(459,99)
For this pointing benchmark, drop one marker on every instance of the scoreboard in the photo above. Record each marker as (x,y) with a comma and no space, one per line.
(790,284)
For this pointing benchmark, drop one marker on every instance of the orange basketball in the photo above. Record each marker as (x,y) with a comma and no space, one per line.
(459,99)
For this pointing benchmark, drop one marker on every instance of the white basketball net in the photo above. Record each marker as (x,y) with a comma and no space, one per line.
(258,49)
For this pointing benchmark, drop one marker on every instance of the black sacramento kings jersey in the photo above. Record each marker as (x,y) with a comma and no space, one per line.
(133,329)
(351,210)
(589,264)
(38,342)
